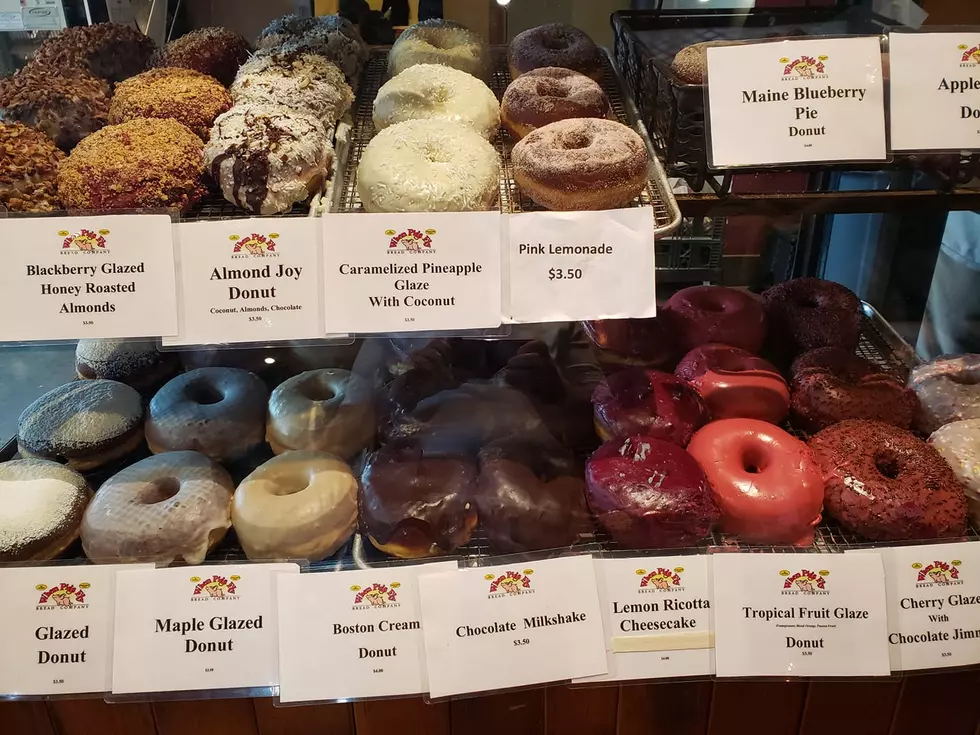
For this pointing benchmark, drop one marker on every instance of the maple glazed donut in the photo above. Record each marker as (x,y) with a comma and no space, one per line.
(547,95)
(948,389)
(581,164)
(554,44)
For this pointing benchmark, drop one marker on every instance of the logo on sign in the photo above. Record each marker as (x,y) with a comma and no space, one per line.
(255,245)
(969,56)
(660,580)
(64,596)
(937,573)
(410,242)
(805,582)
(805,67)
(215,588)
(376,595)
(510,584)
(89,242)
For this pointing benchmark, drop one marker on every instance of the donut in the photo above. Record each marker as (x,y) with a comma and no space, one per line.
(138,164)
(41,508)
(886,484)
(28,170)
(414,503)
(959,444)
(436,92)
(530,497)
(648,493)
(690,64)
(704,314)
(266,158)
(648,402)
(139,365)
(109,50)
(831,384)
(581,164)
(166,508)
(948,389)
(219,412)
(184,95)
(437,41)
(554,44)
(428,166)
(217,52)
(735,383)
(807,313)
(331,36)
(766,481)
(642,342)
(84,424)
(322,411)
(272,364)
(284,29)
(547,95)
(299,505)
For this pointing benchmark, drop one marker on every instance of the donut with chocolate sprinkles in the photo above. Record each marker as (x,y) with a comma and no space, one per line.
(217,52)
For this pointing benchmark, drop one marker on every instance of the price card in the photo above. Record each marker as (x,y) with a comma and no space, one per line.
(196,628)
(412,272)
(799,615)
(569,266)
(780,102)
(75,277)
(935,91)
(933,605)
(248,280)
(57,624)
(656,613)
(508,626)
(346,635)
(42,15)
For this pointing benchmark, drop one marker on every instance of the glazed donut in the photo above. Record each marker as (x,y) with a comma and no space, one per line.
(84,424)
(547,95)
(581,164)
(704,314)
(321,411)
(554,44)
(959,445)
(139,365)
(831,384)
(642,342)
(648,402)
(41,508)
(807,313)
(219,412)
(299,505)
(428,166)
(166,508)
(436,92)
(735,384)
(948,389)
(766,481)
(887,485)
(439,42)
(648,493)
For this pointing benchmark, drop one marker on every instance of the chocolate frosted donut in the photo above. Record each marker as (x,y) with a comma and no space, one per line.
(547,95)
(84,424)
(219,412)
(948,389)
(887,485)
(807,313)
(137,364)
(217,52)
(554,44)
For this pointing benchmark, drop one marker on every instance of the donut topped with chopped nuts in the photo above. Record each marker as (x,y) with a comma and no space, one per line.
(28,169)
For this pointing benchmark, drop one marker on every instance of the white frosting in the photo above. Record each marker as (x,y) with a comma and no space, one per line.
(431,91)
(439,43)
(309,83)
(33,509)
(428,166)
(959,444)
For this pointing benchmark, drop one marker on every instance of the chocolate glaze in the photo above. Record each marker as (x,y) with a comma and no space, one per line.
(807,313)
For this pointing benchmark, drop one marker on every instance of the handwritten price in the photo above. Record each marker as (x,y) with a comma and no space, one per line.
(565,274)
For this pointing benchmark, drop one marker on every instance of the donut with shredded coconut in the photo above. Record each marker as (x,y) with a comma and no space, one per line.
(581,164)
(217,52)
(554,44)
(547,95)
(330,36)
(438,41)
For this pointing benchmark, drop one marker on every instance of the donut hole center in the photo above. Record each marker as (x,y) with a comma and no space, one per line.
(754,462)
(441,41)
(204,394)
(317,392)
(555,42)
(888,465)
(433,154)
(576,141)
(161,490)
(551,88)
(290,485)
(713,305)
(808,301)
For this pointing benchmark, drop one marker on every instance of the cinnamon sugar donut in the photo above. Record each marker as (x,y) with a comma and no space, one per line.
(547,95)
(581,164)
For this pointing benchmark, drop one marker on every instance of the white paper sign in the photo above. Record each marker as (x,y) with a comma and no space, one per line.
(799,615)
(935,91)
(796,101)
(346,635)
(57,629)
(196,628)
(508,626)
(569,266)
(412,272)
(251,280)
(75,277)
(656,612)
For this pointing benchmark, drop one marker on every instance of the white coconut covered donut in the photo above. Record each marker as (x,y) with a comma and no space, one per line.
(299,505)
(428,166)
(439,42)
(432,91)
(959,443)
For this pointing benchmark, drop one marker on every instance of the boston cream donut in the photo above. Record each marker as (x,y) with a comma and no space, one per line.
(547,95)
(299,505)
(439,42)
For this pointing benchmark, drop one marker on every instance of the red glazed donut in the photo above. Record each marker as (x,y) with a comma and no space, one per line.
(807,313)
(735,383)
(766,482)
(703,314)
(638,401)
(644,342)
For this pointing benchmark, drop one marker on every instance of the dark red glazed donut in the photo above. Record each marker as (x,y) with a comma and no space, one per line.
(886,484)
(766,481)
(644,342)
(554,44)
(735,383)
(703,314)
(807,313)
(638,401)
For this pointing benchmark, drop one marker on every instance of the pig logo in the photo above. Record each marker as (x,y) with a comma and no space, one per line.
(375,595)
(805,67)
(255,245)
(805,582)
(660,580)
(937,573)
(63,596)
(510,584)
(84,241)
(215,587)
(969,55)
(411,242)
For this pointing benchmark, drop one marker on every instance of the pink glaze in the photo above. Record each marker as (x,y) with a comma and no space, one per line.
(703,314)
